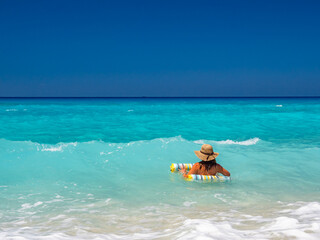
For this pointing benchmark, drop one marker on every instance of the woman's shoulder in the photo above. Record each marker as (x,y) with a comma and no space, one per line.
(218,165)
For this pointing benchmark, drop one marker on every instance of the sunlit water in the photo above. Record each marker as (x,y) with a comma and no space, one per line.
(99,169)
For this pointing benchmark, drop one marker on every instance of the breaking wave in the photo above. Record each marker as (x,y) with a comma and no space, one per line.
(59,147)
(55,148)
(248,142)
(299,220)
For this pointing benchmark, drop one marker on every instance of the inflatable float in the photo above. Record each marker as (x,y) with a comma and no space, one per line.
(175,167)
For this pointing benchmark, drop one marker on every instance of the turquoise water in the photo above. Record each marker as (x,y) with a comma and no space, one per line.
(99,168)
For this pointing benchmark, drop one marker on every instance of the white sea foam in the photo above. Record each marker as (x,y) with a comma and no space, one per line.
(279,106)
(224,224)
(12,110)
(52,149)
(282,227)
(58,217)
(28,205)
(58,147)
(54,201)
(248,142)
(310,210)
(62,145)
(188,204)
(103,153)
(251,141)
(295,225)
(220,197)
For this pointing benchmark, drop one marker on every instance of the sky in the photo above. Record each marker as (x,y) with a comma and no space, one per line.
(159,48)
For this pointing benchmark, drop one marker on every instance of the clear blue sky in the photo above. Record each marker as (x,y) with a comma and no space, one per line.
(159,48)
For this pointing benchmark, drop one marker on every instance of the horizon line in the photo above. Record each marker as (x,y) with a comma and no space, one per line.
(169,97)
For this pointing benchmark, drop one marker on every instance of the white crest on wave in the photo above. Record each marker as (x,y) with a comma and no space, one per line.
(248,142)
(307,210)
(11,110)
(58,148)
(28,205)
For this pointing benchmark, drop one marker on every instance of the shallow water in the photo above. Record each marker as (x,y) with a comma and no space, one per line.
(99,168)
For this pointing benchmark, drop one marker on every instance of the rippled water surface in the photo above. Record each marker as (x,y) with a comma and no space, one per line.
(99,168)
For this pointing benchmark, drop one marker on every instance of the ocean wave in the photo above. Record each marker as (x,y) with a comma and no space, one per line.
(28,205)
(248,142)
(12,110)
(280,227)
(309,210)
(61,145)
(251,141)
(300,222)
(55,148)
(142,224)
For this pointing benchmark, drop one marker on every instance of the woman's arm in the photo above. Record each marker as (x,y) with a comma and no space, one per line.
(225,172)
(194,170)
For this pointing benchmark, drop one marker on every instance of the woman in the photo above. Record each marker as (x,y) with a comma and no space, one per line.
(208,165)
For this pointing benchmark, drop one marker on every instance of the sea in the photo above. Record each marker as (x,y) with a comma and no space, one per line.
(99,168)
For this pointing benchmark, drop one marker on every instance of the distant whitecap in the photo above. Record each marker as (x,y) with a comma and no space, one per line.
(11,110)
(248,142)
(56,148)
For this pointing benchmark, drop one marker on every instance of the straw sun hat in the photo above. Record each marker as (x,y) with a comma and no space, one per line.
(206,153)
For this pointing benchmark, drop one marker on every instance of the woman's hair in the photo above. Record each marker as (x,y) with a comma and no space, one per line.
(208,164)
